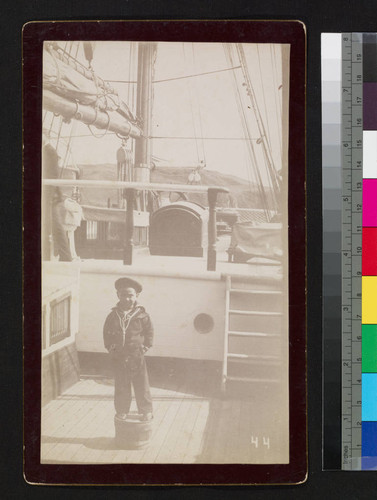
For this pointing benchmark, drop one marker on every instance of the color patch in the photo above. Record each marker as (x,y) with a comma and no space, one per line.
(369,348)
(369,463)
(370,202)
(370,155)
(369,397)
(369,256)
(370,106)
(369,57)
(332,68)
(369,445)
(369,300)
(369,251)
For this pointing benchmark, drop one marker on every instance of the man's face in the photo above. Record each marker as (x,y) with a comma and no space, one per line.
(127,298)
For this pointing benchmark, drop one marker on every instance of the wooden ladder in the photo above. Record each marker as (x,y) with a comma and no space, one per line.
(264,358)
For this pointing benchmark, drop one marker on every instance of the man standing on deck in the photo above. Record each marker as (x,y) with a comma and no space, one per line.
(128,334)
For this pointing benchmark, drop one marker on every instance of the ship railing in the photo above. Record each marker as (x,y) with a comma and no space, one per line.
(130,189)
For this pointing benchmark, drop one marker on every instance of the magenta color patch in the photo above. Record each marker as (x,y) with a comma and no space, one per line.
(370,202)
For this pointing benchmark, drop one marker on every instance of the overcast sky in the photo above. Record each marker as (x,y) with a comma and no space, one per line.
(204,106)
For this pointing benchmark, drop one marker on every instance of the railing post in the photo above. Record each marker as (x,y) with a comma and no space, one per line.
(129,194)
(212,233)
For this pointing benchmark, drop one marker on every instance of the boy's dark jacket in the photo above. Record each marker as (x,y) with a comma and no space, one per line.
(139,332)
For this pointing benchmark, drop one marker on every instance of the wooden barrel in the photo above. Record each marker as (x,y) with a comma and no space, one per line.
(132,434)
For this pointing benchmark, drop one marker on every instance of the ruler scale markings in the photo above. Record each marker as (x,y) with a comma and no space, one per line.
(346,252)
(356,194)
(351,246)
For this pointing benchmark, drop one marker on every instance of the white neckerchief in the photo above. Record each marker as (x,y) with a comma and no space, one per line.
(124,320)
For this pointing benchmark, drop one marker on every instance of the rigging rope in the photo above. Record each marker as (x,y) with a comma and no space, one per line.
(129,72)
(276,96)
(60,129)
(199,109)
(191,107)
(197,74)
(264,139)
(263,92)
(69,142)
(250,148)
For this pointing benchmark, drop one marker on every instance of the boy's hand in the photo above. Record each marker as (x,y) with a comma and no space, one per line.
(145,349)
(112,348)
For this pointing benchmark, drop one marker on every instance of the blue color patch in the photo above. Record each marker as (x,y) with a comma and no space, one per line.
(369,397)
(369,445)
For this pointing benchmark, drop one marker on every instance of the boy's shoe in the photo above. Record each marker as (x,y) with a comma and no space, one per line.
(146,417)
(121,416)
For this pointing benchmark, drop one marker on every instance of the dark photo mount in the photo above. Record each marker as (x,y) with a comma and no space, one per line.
(287,32)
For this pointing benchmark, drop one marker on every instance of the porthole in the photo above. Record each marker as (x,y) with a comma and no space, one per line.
(203,323)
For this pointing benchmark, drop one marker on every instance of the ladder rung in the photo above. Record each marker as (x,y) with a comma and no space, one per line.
(252,357)
(255,292)
(253,362)
(249,379)
(254,313)
(252,334)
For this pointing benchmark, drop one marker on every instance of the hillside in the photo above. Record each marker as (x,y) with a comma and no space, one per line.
(241,193)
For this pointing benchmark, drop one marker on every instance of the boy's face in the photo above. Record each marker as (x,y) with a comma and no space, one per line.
(127,298)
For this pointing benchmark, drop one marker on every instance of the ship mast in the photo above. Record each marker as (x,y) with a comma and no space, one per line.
(143,149)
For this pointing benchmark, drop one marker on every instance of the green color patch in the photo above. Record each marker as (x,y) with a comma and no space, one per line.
(369,349)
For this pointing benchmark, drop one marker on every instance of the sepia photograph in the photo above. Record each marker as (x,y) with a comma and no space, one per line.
(164,246)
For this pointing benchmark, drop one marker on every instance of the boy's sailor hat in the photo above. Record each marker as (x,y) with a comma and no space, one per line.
(128,283)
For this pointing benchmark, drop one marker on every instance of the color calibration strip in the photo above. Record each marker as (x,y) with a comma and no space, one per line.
(349,154)
(369,255)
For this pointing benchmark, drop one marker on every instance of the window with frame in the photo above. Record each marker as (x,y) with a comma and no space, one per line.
(60,324)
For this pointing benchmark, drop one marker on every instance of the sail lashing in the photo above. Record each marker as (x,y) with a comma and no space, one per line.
(73,91)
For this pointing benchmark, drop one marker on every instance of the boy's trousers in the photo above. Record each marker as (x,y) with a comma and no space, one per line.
(132,371)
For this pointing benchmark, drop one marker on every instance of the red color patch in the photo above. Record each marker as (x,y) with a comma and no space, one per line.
(369,251)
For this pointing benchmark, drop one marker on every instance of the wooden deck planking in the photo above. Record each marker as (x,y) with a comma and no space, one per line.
(246,428)
(99,429)
(194,444)
(103,428)
(71,421)
(57,423)
(66,430)
(188,427)
(162,424)
(216,452)
(166,453)
(233,447)
(55,406)
(257,424)
(185,435)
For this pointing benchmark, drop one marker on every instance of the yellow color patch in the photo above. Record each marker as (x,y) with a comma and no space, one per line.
(369,300)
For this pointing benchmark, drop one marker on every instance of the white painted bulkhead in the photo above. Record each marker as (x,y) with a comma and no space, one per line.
(173,300)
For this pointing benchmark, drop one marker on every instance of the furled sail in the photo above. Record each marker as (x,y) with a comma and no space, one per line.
(74,91)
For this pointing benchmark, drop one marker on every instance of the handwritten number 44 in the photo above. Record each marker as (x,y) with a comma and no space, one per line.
(255,441)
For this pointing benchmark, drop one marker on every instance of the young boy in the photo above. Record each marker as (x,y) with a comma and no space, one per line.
(128,334)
